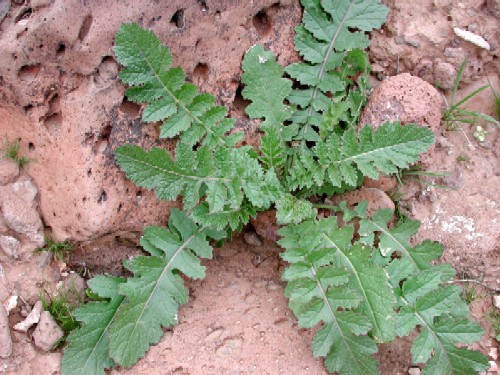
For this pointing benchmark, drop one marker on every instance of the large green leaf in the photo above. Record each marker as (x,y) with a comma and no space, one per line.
(87,350)
(338,159)
(329,31)
(169,98)
(155,292)
(331,281)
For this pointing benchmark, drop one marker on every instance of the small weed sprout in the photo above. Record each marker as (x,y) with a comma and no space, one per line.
(456,114)
(11,150)
(469,293)
(61,305)
(60,250)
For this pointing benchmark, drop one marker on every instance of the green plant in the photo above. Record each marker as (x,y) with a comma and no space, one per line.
(463,158)
(11,150)
(456,114)
(61,306)
(363,288)
(60,249)
(494,316)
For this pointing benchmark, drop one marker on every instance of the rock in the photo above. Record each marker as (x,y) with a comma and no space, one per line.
(36,4)
(414,371)
(445,75)
(21,217)
(265,225)
(10,246)
(376,199)
(493,367)
(496,301)
(493,7)
(71,113)
(25,189)
(9,170)
(404,98)
(493,353)
(252,238)
(11,303)
(32,318)
(4,8)
(5,338)
(384,183)
(47,333)
(73,288)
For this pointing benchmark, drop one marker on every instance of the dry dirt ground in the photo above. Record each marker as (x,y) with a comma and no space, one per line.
(62,100)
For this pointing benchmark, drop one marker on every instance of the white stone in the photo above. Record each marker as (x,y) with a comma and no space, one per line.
(496,301)
(10,246)
(31,319)
(414,371)
(11,303)
(471,37)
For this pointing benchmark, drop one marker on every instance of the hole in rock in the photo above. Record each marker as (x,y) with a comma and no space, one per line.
(240,103)
(200,73)
(130,109)
(53,122)
(61,48)
(203,5)
(103,197)
(85,28)
(89,172)
(262,23)
(31,147)
(29,72)
(178,19)
(138,194)
(55,104)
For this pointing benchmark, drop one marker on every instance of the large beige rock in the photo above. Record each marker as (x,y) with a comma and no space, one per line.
(404,98)
(61,96)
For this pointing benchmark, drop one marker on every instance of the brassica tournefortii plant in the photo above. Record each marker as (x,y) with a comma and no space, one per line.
(360,287)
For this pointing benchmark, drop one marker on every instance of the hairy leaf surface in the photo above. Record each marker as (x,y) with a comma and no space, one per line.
(155,292)
(328,31)
(169,98)
(321,289)
(87,350)
(443,318)
(339,158)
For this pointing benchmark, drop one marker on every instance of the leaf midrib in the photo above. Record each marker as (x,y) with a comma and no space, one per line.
(162,274)
(178,102)
(325,60)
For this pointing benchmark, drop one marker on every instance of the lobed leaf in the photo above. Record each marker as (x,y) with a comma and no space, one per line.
(169,98)
(156,290)
(330,30)
(87,350)
(339,158)
(333,282)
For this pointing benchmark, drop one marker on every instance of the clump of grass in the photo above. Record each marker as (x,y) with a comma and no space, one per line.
(60,249)
(463,158)
(469,293)
(456,114)
(11,150)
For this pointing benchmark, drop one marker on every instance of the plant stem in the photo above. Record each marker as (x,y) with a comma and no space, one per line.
(324,206)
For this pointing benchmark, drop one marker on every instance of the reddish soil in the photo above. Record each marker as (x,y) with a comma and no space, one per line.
(63,100)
